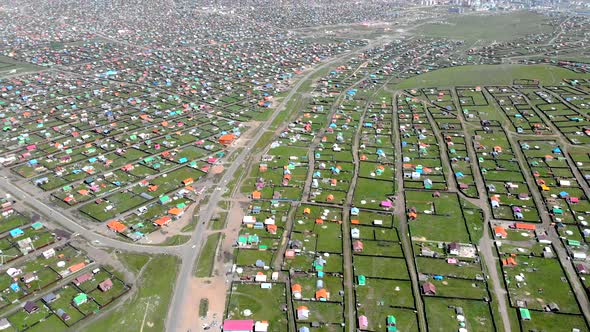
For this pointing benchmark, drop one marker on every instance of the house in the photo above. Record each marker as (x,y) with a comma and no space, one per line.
(363,322)
(553,307)
(523,226)
(47,254)
(238,325)
(49,298)
(16,233)
(29,278)
(357,246)
(163,221)
(453,248)
(30,307)
(116,226)
(76,267)
(524,314)
(80,299)
(322,295)
(523,196)
(176,212)
(302,313)
(4,324)
(83,278)
(261,326)
(355,233)
(500,232)
(362,280)
(428,288)
(296,291)
(509,262)
(581,268)
(260,276)
(227,139)
(62,314)
(391,323)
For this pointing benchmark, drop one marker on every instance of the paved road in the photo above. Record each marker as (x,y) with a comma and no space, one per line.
(74,226)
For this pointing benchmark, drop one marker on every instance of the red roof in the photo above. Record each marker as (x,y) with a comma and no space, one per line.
(238,325)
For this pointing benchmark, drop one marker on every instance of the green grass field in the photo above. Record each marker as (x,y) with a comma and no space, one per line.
(153,294)
(489,75)
(489,27)
(207,257)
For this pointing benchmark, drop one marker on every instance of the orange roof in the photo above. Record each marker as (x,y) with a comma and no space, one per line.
(296,288)
(153,187)
(355,221)
(307,210)
(77,267)
(321,294)
(319,221)
(302,308)
(529,227)
(187,181)
(509,261)
(162,221)
(116,226)
(500,230)
(256,194)
(175,211)
(271,227)
(83,192)
(227,138)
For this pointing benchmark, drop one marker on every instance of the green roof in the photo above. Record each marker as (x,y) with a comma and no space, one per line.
(362,280)
(80,298)
(524,314)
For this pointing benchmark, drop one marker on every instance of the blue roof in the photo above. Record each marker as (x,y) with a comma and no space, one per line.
(16,232)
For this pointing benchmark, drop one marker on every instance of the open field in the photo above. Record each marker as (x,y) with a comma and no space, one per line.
(489,75)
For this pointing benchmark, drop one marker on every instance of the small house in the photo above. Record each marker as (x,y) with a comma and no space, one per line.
(105,285)
(302,313)
(363,322)
(30,307)
(500,232)
(524,314)
(62,314)
(49,298)
(80,299)
(428,288)
(83,278)
(242,325)
(453,248)
(357,246)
